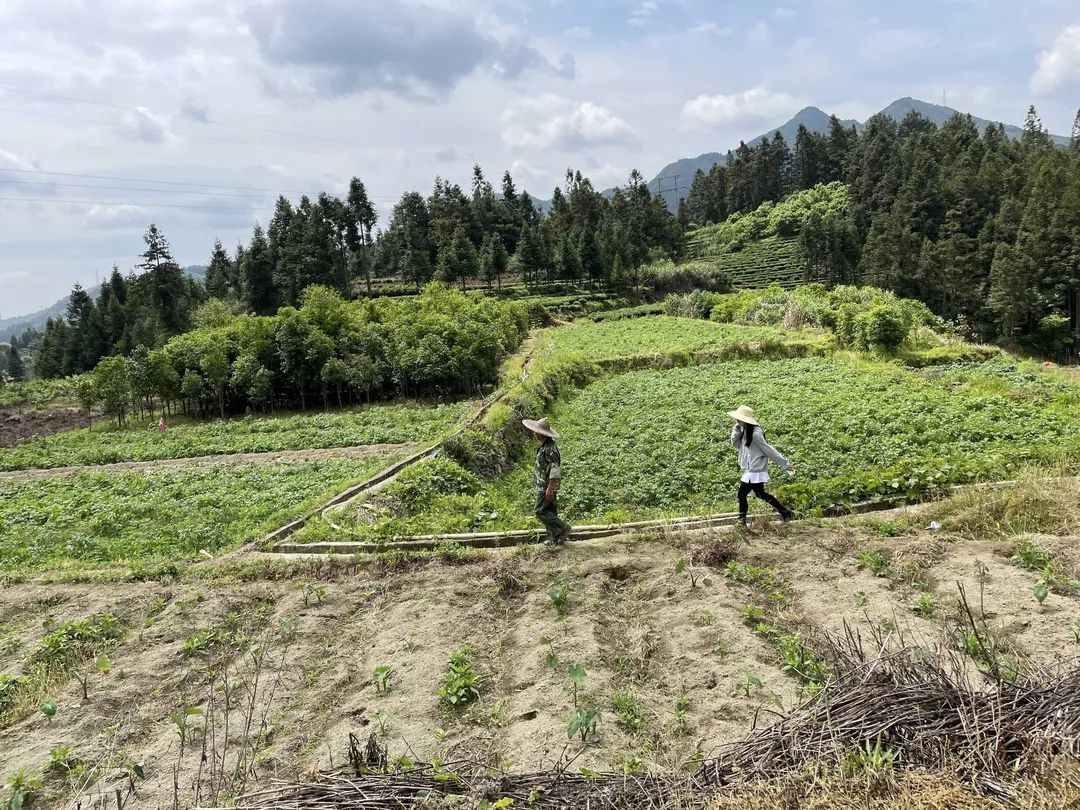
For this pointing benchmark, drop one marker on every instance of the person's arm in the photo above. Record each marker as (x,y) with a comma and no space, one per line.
(736,435)
(554,474)
(770,451)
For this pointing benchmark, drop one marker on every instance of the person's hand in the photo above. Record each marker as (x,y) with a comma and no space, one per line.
(789,468)
(552,489)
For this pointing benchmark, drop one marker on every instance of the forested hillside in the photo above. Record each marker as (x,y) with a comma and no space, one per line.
(983,228)
(980,227)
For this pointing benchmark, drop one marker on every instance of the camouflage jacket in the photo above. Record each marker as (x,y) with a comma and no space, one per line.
(548,464)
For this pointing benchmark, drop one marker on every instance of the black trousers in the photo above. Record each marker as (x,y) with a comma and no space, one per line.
(547,512)
(758,490)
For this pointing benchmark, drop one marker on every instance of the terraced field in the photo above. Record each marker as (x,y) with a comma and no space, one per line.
(757,265)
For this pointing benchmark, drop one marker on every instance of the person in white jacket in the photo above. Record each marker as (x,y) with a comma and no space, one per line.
(755,453)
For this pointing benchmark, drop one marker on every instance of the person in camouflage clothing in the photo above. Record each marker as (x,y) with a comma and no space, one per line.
(547,477)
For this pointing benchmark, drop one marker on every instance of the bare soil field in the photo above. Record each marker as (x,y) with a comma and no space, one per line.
(270,676)
(21,424)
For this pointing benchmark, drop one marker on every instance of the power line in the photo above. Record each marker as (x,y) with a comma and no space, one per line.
(167,182)
(129,188)
(214,138)
(248,127)
(149,180)
(129,204)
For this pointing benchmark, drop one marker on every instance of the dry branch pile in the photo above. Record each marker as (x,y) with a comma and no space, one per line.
(930,713)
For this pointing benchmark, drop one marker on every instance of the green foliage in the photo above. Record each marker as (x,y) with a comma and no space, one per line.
(462,683)
(381,424)
(871,760)
(784,219)
(381,678)
(582,724)
(924,606)
(101,518)
(560,599)
(629,711)
(21,787)
(875,562)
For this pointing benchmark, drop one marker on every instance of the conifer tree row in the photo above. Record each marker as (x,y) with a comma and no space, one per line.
(979,226)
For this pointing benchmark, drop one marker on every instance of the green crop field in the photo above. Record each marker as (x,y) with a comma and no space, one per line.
(759,264)
(376,424)
(654,443)
(614,339)
(97,518)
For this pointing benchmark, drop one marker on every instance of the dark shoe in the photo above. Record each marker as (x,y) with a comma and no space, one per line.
(787,516)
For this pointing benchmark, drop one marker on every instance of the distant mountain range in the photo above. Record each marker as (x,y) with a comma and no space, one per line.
(815,120)
(16,326)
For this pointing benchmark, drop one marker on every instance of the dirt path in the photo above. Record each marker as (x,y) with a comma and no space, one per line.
(226,460)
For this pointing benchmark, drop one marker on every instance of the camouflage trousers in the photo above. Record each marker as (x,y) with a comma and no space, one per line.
(547,512)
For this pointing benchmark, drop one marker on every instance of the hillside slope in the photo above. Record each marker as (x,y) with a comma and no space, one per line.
(815,120)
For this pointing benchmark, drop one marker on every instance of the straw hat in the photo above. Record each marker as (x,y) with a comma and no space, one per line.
(540,426)
(744,413)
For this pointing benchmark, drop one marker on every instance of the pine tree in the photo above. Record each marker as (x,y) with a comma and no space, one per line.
(362,213)
(592,257)
(257,275)
(1074,137)
(493,260)
(569,260)
(15,368)
(218,272)
(169,291)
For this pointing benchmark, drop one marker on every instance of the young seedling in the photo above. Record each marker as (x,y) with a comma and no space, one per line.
(582,724)
(102,663)
(875,561)
(1076,631)
(860,599)
(751,681)
(924,606)
(381,678)
(577,677)
(559,596)
(49,707)
(21,788)
(686,565)
(629,712)
(551,659)
(183,728)
(313,591)
(462,682)
(1041,591)
(682,706)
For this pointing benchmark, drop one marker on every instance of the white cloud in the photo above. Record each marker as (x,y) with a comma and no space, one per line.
(754,104)
(13,161)
(643,13)
(145,126)
(105,216)
(885,45)
(194,112)
(706,27)
(784,13)
(579,32)
(1060,63)
(14,274)
(419,49)
(551,122)
(759,34)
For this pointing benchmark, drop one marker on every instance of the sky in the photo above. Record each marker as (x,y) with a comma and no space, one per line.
(196,114)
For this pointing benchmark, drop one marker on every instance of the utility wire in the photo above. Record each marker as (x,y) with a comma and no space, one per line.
(131,204)
(161,182)
(129,188)
(214,138)
(149,180)
(215,122)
